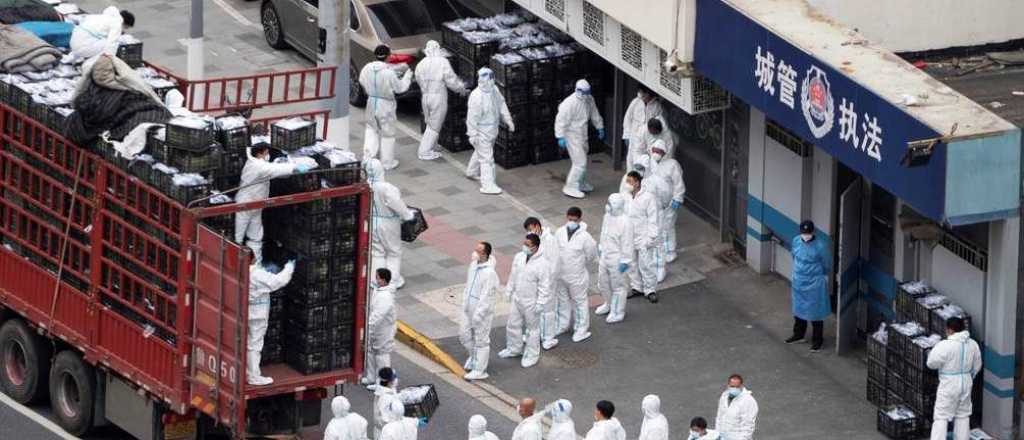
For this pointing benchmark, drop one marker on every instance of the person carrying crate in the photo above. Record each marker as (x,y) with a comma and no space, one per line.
(263,280)
(381,83)
(435,76)
(255,185)
(388,211)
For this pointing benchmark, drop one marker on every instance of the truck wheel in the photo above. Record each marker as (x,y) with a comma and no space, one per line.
(24,362)
(72,392)
(356,95)
(272,29)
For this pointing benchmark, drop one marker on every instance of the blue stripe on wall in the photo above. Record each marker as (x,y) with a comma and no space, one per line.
(752,233)
(880,281)
(1000,365)
(1002,394)
(779,224)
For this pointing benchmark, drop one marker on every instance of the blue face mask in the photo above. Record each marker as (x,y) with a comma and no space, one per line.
(572,225)
(526,249)
(735,391)
(373,284)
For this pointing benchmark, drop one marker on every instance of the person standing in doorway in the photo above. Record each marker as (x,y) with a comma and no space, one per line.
(643,108)
(811,264)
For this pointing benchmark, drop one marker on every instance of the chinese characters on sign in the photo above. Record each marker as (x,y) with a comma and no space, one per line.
(817,103)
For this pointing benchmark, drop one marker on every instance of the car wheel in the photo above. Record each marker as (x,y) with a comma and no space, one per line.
(72,392)
(24,362)
(356,95)
(272,29)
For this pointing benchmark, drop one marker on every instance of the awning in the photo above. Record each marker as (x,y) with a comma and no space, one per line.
(832,88)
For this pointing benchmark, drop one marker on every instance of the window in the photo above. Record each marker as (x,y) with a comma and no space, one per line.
(353,19)
(396,19)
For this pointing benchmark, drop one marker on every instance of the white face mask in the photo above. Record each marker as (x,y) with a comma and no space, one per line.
(694,435)
(806,237)
(657,157)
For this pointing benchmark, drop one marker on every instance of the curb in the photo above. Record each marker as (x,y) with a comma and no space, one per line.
(422,344)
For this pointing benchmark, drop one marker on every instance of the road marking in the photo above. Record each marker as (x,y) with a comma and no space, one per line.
(235,14)
(35,417)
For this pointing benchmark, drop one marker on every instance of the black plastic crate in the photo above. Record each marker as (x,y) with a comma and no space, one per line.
(898,342)
(232,163)
(309,363)
(19,98)
(566,86)
(543,134)
(57,117)
(296,183)
(310,341)
(511,73)
(922,403)
(921,379)
(183,137)
(450,37)
(896,383)
(544,91)
(341,358)
(426,407)
(546,152)
(454,141)
(567,66)
(516,94)
(905,299)
(465,69)
(519,139)
(898,429)
(876,350)
(186,194)
(319,269)
(131,54)
(923,314)
(937,324)
(512,158)
(894,362)
(234,139)
(287,139)
(479,53)
(917,355)
(891,398)
(542,68)
(543,113)
(877,372)
(876,393)
(271,354)
(318,294)
(188,161)
(338,175)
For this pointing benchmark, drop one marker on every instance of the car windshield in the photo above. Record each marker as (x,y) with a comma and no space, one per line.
(403,18)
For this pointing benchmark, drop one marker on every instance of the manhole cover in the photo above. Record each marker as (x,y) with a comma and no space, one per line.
(572,357)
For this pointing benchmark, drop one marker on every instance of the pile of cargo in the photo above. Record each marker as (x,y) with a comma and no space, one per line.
(536,66)
(899,381)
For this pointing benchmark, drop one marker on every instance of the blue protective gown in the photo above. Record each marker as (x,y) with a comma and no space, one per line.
(811,263)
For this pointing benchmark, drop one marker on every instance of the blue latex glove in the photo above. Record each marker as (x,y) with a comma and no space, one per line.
(600,133)
(623,267)
(423,422)
(271,267)
(676,204)
(562,144)
(302,168)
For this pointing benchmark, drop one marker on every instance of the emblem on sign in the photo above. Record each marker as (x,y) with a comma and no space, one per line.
(817,103)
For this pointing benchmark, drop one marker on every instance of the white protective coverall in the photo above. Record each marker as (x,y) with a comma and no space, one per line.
(958,360)
(261,284)
(571,125)
(175,103)
(97,34)
(616,253)
(634,126)
(667,138)
(736,419)
(671,172)
(389,211)
(609,429)
(249,224)
(562,425)
(478,429)
(398,426)
(382,396)
(655,425)
(661,189)
(575,255)
(529,428)
(381,325)
(643,212)
(529,280)
(435,76)
(477,313)
(486,109)
(709,434)
(345,425)
(551,304)
(382,84)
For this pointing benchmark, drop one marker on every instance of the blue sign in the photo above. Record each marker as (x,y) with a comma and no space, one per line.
(820,104)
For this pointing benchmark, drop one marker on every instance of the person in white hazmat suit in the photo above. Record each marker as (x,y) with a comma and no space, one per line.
(398,426)
(661,189)
(263,280)
(381,326)
(571,121)
(606,426)
(654,425)
(530,279)
(529,428)
(699,430)
(346,425)
(435,76)
(643,216)
(615,257)
(958,361)
(486,109)
(478,429)
(669,170)
(97,34)
(549,305)
(255,185)
(634,125)
(562,425)
(737,411)
(381,82)
(657,132)
(383,393)
(388,211)
(478,310)
(577,251)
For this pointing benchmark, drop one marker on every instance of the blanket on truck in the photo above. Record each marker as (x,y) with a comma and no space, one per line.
(112,97)
(23,51)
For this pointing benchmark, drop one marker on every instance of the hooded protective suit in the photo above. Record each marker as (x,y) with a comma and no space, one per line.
(643,212)
(382,397)
(389,211)
(552,304)
(562,426)
(381,326)
(666,138)
(655,425)
(736,418)
(249,224)
(435,76)
(609,429)
(530,279)
(958,360)
(616,256)
(382,84)
(634,126)
(345,425)
(97,34)
(175,103)
(811,264)
(486,109)
(671,172)
(261,284)
(398,426)
(571,126)
(478,429)
(575,255)
(477,312)
(529,428)
(661,191)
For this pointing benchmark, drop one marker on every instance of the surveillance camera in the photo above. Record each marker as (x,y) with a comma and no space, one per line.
(670,66)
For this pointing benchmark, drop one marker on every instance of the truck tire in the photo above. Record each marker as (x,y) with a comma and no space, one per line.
(24,362)
(72,392)
(356,95)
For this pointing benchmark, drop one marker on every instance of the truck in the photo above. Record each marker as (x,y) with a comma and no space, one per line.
(122,305)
